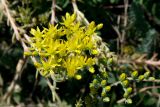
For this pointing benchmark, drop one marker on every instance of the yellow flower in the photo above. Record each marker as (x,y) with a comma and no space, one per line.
(78,77)
(99,26)
(64,46)
(91,69)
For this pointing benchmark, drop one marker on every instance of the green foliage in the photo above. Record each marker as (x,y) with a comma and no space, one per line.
(147,36)
(70,50)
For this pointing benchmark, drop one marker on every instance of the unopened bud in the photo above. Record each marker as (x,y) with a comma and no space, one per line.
(99,26)
(122,76)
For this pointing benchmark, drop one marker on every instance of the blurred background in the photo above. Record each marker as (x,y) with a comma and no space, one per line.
(131,30)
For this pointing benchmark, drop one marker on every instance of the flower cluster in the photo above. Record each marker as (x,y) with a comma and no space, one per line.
(124,80)
(100,82)
(64,48)
(69,47)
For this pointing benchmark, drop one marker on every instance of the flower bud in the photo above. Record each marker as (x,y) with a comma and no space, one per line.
(95,81)
(125,95)
(91,70)
(134,74)
(125,83)
(122,76)
(106,99)
(103,82)
(99,26)
(129,90)
(94,52)
(141,77)
(108,88)
(67,15)
(151,78)
(146,74)
(78,77)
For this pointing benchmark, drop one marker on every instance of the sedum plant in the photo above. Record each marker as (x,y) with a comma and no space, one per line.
(68,48)
(65,48)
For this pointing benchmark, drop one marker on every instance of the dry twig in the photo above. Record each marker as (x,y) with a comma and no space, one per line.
(53,11)
(140,91)
(21,63)
(19,68)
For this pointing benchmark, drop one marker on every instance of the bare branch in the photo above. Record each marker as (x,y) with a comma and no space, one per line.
(10,19)
(22,62)
(140,91)
(142,60)
(19,68)
(53,90)
(53,9)
(80,15)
